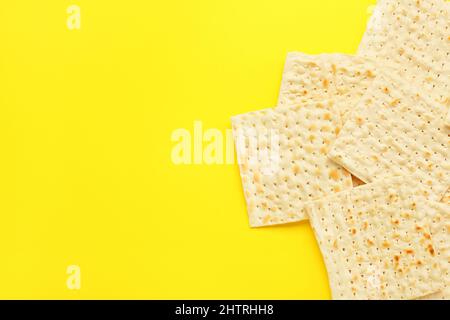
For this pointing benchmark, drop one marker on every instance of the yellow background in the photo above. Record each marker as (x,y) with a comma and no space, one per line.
(86,117)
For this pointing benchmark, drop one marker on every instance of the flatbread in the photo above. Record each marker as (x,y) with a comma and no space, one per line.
(412,37)
(446,198)
(447,120)
(306,79)
(440,231)
(396,131)
(340,78)
(283,162)
(376,243)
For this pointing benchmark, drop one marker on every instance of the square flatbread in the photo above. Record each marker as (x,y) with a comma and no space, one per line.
(447,120)
(439,213)
(396,131)
(340,78)
(282,155)
(376,243)
(412,36)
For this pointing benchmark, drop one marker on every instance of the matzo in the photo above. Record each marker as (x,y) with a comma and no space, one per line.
(447,120)
(283,163)
(395,131)
(446,198)
(439,213)
(338,77)
(412,36)
(376,243)
(306,79)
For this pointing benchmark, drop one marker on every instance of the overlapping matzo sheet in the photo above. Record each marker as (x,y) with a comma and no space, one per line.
(340,78)
(282,155)
(376,243)
(396,131)
(413,37)
(439,213)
